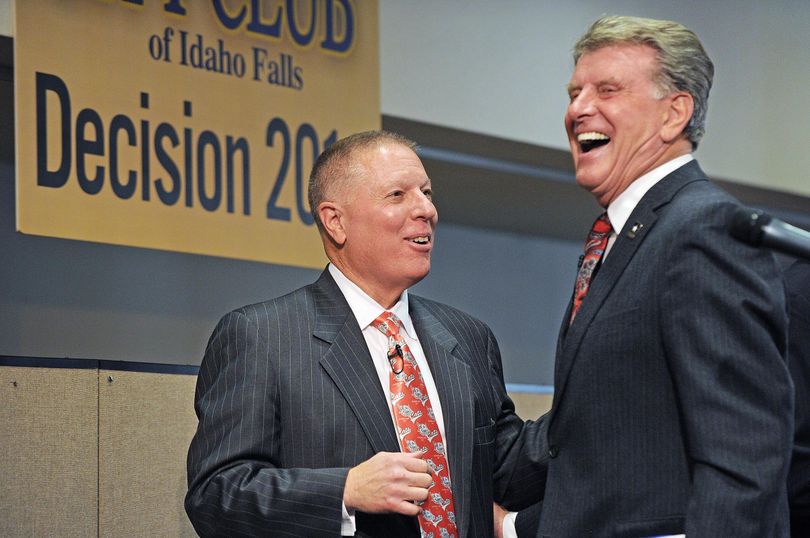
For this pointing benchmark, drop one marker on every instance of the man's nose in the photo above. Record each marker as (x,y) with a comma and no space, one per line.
(424,207)
(583,104)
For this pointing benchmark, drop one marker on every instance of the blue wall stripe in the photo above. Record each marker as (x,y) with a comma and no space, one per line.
(149,367)
(38,362)
(92,364)
(529,389)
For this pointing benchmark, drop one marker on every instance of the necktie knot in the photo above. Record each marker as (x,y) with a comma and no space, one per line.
(600,229)
(388,324)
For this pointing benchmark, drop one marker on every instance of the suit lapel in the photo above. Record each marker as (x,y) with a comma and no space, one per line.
(453,378)
(349,364)
(636,229)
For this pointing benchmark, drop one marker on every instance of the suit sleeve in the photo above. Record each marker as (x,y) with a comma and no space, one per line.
(235,485)
(724,326)
(521,463)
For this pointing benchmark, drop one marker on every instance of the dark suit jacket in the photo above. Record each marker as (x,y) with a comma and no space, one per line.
(797,280)
(673,406)
(288,400)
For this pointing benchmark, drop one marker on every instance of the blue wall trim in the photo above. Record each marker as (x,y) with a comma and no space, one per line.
(149,367)
(38,362)
(530,389)
(92,364)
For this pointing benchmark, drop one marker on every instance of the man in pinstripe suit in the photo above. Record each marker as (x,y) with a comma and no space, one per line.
(672,409)
(295,434)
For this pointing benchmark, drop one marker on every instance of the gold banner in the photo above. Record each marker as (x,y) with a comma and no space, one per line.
(187,125)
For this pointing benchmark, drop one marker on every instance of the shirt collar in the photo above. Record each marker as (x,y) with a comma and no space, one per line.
(366,309)
(622,207)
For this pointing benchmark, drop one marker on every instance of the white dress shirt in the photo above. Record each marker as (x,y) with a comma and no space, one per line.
(622,207)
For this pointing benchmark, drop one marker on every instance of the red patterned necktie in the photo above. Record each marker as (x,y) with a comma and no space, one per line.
(594,249)
(417,429)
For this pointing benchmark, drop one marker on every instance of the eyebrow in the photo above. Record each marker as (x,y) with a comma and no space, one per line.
(611,80)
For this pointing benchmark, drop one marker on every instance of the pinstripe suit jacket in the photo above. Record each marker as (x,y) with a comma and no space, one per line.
(288,400)
(672,409)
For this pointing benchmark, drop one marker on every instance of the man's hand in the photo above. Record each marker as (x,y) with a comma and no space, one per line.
(388,482)
(499,514)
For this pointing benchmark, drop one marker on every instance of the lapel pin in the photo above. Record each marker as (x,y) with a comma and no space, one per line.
(634,230)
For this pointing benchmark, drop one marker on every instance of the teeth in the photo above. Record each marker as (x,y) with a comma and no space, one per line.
(592,139)
(422,240)
(591,136)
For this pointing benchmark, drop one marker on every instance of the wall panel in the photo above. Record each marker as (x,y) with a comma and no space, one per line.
(49,452)
(146,421)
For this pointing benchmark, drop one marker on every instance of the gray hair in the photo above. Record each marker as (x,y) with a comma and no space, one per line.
(336,166)
(683,63)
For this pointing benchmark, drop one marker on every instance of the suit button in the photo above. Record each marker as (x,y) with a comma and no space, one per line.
(553,451)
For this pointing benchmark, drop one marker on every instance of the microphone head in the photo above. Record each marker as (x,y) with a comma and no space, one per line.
(746,225)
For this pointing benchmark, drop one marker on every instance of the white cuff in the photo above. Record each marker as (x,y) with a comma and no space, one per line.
(347,525)
(508,529)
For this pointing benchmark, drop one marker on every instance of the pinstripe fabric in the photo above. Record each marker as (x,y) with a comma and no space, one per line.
(672,409)
(288,400)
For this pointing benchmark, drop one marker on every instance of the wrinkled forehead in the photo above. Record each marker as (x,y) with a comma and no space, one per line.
(373,165)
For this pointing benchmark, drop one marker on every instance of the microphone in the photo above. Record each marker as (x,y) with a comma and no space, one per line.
(758,228)
(396,365)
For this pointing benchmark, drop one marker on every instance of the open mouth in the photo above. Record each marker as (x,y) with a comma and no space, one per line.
(591,140)
(421,240)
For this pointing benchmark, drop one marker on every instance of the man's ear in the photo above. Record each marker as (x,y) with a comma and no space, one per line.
(332,220)
(681,107)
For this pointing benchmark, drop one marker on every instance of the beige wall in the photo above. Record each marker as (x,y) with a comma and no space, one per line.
(49,447)
(145,422)
(530,406)
(94,453)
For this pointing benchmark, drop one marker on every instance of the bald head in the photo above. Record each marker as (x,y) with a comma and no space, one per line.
(341,164)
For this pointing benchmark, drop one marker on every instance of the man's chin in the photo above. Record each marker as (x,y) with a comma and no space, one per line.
(596,186)
(587,180)
(417,275)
